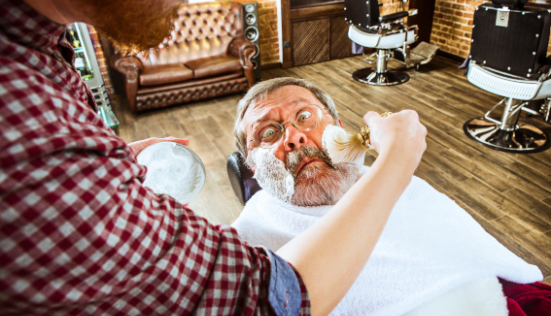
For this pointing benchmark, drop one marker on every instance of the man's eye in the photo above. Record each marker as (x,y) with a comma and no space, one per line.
(267,133)
(304,115)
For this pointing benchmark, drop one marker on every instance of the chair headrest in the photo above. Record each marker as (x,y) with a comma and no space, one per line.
(510,3)
(241,178)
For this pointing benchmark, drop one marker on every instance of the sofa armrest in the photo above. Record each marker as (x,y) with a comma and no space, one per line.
(130,67)
(244,50)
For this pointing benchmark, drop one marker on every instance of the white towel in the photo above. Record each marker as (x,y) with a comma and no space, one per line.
(429,246)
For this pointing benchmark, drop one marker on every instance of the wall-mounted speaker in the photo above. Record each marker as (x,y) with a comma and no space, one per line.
(252,32)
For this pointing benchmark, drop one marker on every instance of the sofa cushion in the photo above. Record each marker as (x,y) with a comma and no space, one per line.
(158,75)
(211,66)
(190,83)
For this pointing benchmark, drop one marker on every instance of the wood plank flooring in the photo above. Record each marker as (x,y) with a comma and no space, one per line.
(508,194)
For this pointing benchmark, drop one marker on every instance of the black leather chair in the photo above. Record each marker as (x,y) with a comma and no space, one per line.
(508,58)
(384,33)
(241,178)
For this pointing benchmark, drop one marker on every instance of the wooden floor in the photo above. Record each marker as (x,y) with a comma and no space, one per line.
(508,194)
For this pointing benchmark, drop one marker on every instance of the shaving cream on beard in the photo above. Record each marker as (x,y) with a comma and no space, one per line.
(268,176)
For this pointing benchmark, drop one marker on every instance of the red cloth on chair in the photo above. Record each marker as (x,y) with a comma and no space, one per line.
(527,299)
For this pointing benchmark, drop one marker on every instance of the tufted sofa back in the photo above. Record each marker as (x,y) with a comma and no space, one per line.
(200,30)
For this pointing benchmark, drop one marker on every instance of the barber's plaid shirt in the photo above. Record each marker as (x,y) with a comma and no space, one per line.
(79,234)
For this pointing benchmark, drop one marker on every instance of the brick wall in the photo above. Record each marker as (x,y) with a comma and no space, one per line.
(452,26)
(269,37)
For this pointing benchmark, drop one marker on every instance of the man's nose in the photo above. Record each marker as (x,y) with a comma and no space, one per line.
(294,138)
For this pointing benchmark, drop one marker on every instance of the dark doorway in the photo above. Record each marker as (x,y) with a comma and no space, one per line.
(423,18)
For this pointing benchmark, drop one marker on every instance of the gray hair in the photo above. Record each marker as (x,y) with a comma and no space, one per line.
(260,92)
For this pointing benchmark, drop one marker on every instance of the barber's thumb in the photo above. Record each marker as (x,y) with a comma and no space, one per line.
(370,116)
(183,141)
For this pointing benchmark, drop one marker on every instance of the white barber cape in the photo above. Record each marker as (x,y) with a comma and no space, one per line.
(429,246)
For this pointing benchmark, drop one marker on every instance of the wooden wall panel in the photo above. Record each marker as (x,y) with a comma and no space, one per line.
(311,41)
(341,45)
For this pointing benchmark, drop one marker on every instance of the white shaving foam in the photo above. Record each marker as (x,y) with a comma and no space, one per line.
(269,174)
(173,169)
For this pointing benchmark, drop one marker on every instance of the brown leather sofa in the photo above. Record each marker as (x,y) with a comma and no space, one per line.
(206,56)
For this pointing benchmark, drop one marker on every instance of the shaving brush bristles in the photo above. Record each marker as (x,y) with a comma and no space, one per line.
(344,147)
(351,146)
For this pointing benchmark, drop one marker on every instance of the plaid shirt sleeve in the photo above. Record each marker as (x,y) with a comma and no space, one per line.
(79,234)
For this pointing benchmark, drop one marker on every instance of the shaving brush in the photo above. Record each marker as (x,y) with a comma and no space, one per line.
(344,147)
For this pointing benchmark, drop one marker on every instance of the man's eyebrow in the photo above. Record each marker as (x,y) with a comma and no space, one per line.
(293,103)
(267,116)
(300,100)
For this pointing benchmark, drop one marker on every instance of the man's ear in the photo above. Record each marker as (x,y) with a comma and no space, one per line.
(340,122)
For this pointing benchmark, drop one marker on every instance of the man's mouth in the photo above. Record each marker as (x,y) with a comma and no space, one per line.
(306,162)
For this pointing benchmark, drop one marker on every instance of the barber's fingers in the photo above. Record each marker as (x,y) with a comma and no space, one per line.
(398,128)
(371,117)
(140,145)
(417,132)
(183,141)
(412,122)
(415,121)
(373,120)
(153,140)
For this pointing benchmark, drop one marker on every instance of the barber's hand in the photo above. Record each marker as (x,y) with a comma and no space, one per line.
(401,133)
(140,145)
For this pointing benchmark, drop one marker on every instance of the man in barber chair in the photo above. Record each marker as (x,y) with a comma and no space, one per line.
(432,258)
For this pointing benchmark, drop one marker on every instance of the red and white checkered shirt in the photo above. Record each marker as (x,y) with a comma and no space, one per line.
(79,234)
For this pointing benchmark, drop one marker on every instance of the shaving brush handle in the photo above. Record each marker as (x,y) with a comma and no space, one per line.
(364,131)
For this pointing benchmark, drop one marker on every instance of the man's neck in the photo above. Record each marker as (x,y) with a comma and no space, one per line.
(59,11)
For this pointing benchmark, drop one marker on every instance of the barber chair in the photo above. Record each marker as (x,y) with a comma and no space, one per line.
(385,33)
(508,58)
(241,178)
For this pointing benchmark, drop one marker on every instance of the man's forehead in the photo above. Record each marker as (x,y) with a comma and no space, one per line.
(286,97)
(263,107)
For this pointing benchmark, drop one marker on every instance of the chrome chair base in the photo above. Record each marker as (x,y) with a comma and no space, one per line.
(524,138)
(387,78)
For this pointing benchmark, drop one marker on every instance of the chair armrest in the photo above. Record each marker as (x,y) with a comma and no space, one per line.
(393,16)
(244,49)
(125,64)
(241,178)
(130,67)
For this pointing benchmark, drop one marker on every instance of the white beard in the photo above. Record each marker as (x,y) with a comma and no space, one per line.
(313,187)
(317,189)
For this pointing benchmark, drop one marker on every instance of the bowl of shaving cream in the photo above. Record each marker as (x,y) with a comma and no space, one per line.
(173,169)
